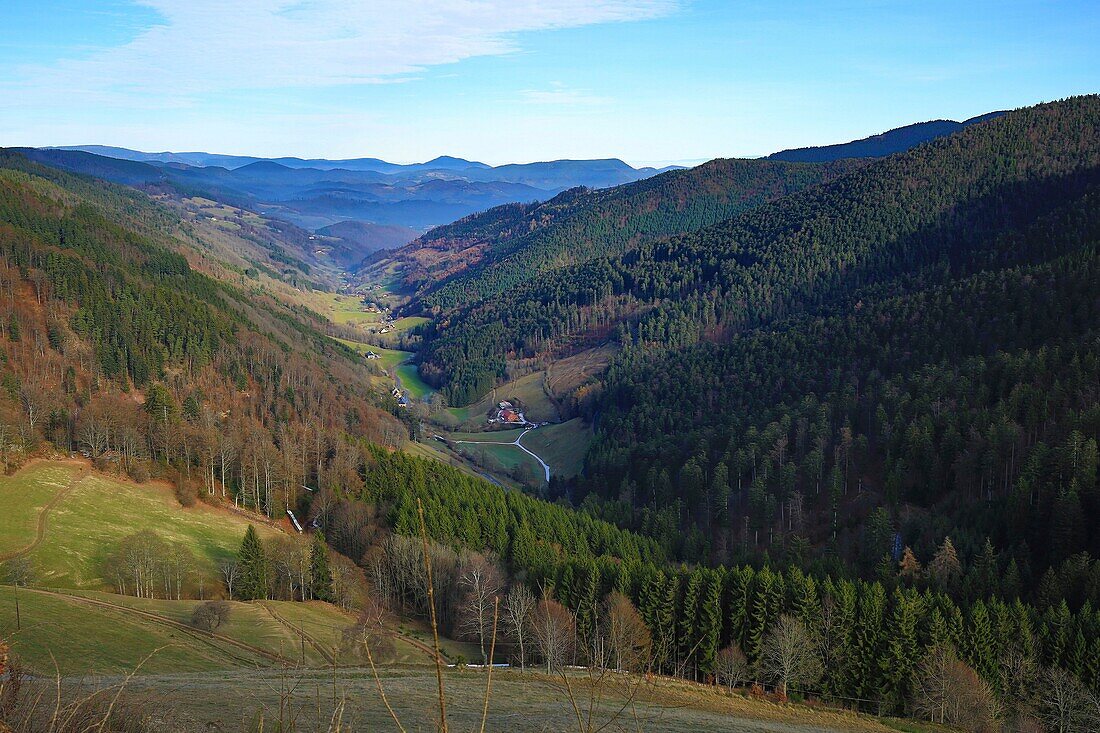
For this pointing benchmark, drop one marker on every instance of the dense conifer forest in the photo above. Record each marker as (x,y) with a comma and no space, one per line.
(900,355)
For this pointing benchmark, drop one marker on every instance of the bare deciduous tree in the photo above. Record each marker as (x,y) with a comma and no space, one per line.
(789,656)
(732,667)
(629,643)
(947,691)
(518,606)
(553,629)
(370,629)
(1066,705)
(481,582)
(231,573)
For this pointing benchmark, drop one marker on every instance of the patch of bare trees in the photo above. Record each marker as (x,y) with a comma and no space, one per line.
(481,584)
(554,631)
(519,604)
(949,692)
(147,566)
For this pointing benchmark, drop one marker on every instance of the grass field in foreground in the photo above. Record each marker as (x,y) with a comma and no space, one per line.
(520,702)
(88,523)
(115,633)
(85,639)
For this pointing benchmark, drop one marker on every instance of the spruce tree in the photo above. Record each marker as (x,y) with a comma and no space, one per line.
(978,649)
(710,622)
(252,561)
(689,619)
(320,575)
(868,640)
(902,651)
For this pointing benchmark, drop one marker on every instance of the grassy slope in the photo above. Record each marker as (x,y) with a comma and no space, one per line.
(519,703)
(411,382)
(528,389)
(24,496)
(390,357)
(98,512)
(342,309)
(562,446)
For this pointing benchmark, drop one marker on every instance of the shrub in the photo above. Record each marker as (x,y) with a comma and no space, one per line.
(185,493)
(211,615)
(139,472)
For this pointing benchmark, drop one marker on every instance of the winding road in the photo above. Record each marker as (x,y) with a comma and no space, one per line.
(516,442)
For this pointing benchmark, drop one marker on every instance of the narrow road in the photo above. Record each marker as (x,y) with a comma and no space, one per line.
(44,515)
(516,443)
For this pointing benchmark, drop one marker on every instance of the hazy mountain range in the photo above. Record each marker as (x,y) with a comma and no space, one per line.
(316,193)
(372,204)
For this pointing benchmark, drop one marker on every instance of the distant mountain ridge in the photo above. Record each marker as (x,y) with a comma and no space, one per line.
(316,193)
(886,143)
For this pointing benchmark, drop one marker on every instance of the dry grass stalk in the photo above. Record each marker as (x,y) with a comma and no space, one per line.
(492,656)
(435,623)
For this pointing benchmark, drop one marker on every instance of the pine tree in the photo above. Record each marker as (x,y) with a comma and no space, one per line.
(252,561)
(945,568)
(689,621)
(978,648)
(320,576)
(868,640)
(759,614)
(710,622)
(738,582)
(902,652)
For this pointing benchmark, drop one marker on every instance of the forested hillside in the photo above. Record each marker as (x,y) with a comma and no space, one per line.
(480,272)
(113,344)
(918,337)
(886,143)
(913,342)
(490,253)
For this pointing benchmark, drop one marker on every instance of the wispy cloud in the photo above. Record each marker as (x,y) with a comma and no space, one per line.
(559,94)
(199,47)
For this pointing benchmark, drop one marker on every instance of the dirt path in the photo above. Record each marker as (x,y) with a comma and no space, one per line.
(298,630)
(413,641)
(208,637)
(44,515)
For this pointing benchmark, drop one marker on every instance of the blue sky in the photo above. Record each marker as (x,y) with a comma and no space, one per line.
(649,81)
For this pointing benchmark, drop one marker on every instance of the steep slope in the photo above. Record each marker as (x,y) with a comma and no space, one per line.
(800,358)
(893,141)
(891,340)
(355,240)
(112,342)
(503,247)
